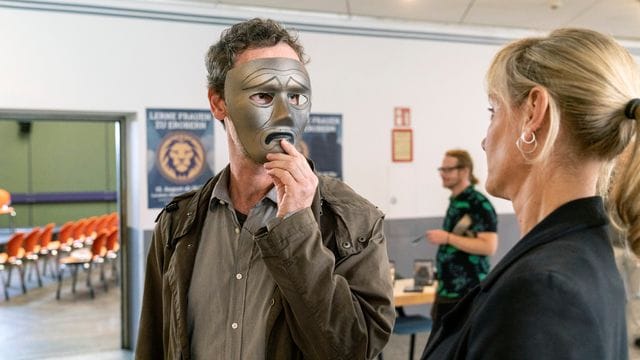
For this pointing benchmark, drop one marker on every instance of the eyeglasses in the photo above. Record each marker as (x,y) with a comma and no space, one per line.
(449,168)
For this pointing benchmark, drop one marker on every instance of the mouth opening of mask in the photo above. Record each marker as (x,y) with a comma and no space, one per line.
(276,136)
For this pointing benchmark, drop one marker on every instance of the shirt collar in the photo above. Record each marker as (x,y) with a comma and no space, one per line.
(220,194)
(465,192)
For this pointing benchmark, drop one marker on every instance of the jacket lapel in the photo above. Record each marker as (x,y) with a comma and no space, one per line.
(573,216)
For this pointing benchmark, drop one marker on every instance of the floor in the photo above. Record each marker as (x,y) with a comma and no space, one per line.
(76,327)
(37,326)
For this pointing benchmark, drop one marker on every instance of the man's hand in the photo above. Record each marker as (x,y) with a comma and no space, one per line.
(294,180)
(437,237)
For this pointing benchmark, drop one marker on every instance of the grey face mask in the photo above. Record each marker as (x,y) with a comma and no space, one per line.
(267,100)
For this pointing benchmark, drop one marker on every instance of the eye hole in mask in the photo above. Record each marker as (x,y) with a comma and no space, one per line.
(264,99)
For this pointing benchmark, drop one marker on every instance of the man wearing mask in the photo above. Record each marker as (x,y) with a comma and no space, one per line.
(467,238)
(267,260)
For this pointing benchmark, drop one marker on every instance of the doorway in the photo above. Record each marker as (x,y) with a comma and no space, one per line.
(61,167)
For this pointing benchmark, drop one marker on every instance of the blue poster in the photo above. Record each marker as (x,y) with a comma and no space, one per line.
(323,137)
(179,152)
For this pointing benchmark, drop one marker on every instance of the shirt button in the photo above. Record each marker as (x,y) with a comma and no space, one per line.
(234,326)
(237,230)
(239,276)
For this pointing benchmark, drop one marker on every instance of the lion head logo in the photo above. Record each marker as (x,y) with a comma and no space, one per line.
(181,157)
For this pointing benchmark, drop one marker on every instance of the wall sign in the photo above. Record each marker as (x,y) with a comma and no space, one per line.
(402,145)
(179,152)
(323,138)
(402,135)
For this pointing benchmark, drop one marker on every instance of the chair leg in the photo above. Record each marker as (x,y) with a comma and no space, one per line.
(59,283)
(114,270)
(4,287)
(35,264)
(412,344)
(21,272)
(105,281)
(74,274)
(44,262)
(91,292)
(8,283)
(52,267)
(58,266)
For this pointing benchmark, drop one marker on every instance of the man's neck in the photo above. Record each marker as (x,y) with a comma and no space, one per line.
(458,189)
(248,184)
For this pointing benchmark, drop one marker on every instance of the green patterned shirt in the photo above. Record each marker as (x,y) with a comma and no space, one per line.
(459,271)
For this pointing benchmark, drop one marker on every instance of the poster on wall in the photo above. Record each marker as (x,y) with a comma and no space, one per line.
(179,152)
(323,137)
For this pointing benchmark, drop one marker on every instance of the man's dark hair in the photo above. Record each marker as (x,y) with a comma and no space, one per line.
(250,34)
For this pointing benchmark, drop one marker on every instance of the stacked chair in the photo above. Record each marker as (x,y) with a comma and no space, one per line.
(12,258)
(89,244)
(112,248)
(31,250)
(86,244)
(47,249)
(83,258)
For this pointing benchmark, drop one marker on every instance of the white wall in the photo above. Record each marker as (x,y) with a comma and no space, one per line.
(52,60)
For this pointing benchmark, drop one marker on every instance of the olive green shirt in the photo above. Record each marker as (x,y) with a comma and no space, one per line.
(231,290)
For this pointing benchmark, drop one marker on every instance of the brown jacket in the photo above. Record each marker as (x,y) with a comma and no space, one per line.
(333,296)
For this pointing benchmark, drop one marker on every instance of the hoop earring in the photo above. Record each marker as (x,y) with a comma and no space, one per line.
(532,143)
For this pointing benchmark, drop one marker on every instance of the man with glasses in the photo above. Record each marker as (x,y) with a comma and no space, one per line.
(468,235)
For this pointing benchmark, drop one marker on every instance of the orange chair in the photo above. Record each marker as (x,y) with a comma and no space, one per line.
(101,224)
(45,242)
(85,258)
(90,229)
(5,207)
(13,258)
(113,220)
(78,232)
(31,250)
(112,248)
(64,240)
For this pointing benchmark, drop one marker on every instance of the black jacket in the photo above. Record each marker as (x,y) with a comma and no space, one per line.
(556,295)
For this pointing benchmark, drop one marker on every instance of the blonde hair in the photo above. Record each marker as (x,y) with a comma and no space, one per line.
(590,79)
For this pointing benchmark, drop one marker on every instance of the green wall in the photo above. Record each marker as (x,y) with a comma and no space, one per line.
(57,156)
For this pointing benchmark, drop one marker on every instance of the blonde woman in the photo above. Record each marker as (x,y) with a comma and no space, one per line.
(563,107)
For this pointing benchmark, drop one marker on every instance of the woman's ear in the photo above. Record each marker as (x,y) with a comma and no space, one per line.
(537,108)
(217,105)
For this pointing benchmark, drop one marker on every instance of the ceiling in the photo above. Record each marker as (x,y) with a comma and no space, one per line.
(620,18)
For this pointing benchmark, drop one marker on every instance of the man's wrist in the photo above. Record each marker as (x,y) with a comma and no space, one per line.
(448,234)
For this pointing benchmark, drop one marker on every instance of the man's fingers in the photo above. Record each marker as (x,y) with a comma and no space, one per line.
(289,166)
(282,176)
(289,148)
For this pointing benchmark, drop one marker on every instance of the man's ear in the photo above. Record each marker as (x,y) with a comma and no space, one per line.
(537,108)
(217,105)
(466,173)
